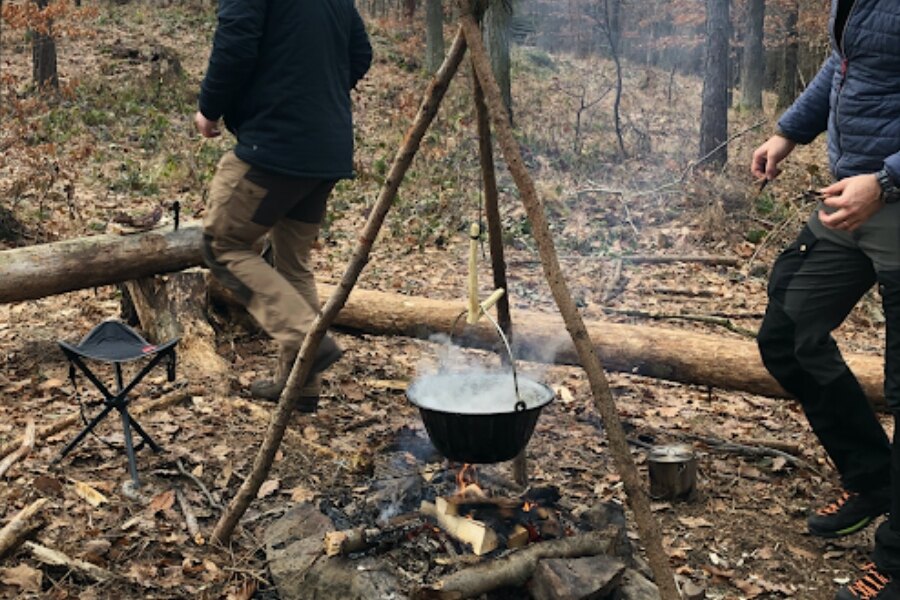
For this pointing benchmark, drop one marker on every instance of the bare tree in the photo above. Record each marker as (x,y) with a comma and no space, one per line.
(714,110)
(434,35)
(610,26)
(753,60)
(787,83)
(43,53)
(497,25)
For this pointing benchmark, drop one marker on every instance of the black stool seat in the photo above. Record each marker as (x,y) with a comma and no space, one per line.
(114,342)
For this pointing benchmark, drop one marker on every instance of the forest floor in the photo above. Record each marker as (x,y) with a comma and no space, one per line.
(120,138)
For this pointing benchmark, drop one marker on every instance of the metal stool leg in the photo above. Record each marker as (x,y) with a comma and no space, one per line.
(129,447)
(90,426)
(140,431)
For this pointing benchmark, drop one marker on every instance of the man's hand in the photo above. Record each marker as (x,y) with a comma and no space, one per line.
(855,200)
(766,158)
(207,128)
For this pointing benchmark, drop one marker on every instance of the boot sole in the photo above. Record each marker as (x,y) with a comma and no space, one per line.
(858,526)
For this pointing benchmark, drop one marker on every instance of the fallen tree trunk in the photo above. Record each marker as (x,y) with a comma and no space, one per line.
(652,351)
(665,353)
(46,269)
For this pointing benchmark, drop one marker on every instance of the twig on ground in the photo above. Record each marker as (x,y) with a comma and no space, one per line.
(720,321)
(199,484)
(23,451)
(55,557)
(189,518)
(19,527)
(643,258)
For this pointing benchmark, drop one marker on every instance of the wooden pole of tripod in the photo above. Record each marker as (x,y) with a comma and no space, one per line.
(648,528)
(280,416)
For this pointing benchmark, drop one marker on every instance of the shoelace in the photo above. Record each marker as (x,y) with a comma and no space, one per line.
(836,505)
(869,585)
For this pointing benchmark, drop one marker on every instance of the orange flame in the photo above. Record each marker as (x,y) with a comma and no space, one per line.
(467,475)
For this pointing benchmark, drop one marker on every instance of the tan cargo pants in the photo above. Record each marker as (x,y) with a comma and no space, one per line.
(245,204)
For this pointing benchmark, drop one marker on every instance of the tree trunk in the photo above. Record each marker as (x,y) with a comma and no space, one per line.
(787,88)
(43,54)
(714,111)
(699,359)
(171,307)
(753,67)
(497,23)
(434,35)
(650,350)
(611,29)
(46,269)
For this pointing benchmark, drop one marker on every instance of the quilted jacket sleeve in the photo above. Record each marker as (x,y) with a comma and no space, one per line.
(808,116)
(234,54)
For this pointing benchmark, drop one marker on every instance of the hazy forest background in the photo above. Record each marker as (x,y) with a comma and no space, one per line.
(636,119)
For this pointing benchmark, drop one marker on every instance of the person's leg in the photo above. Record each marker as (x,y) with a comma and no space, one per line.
(887,537)
(813,286)
(292,239)
(243,208)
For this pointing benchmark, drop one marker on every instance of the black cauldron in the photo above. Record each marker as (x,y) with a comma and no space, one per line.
(481,417)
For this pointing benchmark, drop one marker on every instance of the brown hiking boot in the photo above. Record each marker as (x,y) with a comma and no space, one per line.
(326,355)
(270,389)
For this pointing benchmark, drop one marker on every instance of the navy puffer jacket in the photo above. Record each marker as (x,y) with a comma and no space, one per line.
(280,73)
(856,94)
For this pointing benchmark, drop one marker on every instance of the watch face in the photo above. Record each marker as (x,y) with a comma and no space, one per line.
(890,193)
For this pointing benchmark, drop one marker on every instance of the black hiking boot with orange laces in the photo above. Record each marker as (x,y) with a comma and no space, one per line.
(872,585)
(849,513)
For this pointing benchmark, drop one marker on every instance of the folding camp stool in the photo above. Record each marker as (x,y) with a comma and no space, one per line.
(114,342)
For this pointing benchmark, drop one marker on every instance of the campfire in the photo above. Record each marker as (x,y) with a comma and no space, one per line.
(486,523)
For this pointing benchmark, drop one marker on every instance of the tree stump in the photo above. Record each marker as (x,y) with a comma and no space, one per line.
(170,306)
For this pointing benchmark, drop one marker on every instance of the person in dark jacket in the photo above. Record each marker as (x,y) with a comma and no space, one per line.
(280,75)
(850,242)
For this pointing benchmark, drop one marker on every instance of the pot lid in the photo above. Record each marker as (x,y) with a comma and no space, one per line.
(674,453)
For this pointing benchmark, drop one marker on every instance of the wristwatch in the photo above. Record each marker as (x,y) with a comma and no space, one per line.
(890,191)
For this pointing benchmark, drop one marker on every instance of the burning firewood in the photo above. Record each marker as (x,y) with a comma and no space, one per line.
(348,541)
(482,538)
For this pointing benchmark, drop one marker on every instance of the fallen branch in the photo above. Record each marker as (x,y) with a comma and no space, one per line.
(723,445)
(200,485)
(516,569)
(712,320)
(644,259)
(348,541)
(190,520)
(170,399)
(19,527)
(23,451)
(55,557)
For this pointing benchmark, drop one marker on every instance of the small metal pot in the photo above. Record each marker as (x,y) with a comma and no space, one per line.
(478,437)
(673,472)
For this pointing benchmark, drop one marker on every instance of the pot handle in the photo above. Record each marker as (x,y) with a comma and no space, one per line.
(520,404)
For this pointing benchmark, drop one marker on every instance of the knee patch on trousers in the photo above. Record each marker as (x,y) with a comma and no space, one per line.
(243,293)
